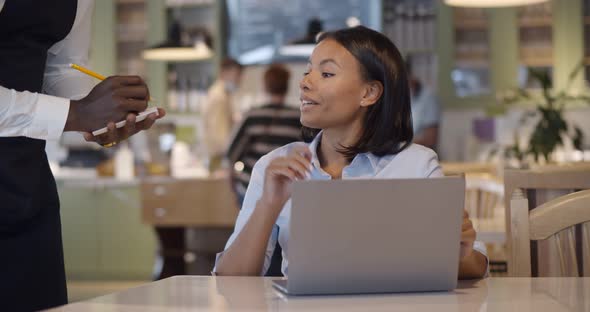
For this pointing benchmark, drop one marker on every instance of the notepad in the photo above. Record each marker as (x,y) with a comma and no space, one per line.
(141,116)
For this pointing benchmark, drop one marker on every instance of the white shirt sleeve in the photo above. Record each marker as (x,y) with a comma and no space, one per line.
(43,116)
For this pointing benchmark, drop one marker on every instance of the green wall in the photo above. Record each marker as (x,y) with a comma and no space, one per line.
(103,51)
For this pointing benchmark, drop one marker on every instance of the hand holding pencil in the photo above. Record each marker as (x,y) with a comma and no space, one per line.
(114,99)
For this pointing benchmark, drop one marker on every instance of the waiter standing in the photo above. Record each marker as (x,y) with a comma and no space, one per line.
(38,39)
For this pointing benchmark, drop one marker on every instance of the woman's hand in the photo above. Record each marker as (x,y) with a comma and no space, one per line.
(467,236)
(471,264)
(280,175)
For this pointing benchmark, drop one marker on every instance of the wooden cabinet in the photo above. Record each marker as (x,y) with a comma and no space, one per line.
(193,219)
(205,202)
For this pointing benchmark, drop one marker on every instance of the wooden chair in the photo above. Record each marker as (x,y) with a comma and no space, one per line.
(563,222)
(484,201)
(539,185)
(484,195)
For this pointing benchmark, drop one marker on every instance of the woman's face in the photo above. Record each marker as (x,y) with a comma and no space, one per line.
(332,88)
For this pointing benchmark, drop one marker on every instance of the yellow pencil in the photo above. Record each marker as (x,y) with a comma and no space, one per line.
(93,74)
(88,72)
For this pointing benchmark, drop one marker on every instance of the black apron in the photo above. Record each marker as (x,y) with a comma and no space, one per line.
(32,275)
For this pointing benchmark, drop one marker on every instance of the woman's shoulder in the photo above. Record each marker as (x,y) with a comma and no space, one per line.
(417,150)
(414,161)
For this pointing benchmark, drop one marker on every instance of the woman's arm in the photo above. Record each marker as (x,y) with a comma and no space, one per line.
(246,254)
(472,263)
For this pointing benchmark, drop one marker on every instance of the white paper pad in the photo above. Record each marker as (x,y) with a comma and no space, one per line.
(141,116)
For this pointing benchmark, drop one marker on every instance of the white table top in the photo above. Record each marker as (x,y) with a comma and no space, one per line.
(204,293)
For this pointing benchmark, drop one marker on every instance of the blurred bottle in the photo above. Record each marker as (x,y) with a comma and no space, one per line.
(193,94)
(182,93)
(172,90)
(124,165)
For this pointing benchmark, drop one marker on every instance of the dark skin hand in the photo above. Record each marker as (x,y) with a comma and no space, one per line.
(112,100)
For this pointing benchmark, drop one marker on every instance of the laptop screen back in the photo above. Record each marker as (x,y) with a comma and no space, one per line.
(367,236)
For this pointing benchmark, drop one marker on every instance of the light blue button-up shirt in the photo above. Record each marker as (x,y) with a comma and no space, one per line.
(416,161)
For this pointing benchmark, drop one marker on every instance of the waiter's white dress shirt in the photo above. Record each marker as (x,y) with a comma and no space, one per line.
(43,116)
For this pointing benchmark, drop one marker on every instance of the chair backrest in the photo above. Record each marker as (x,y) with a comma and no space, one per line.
(570,176)
(563,222)
(539,185)
(484,195)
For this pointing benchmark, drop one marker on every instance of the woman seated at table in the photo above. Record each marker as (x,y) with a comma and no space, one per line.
(355,106)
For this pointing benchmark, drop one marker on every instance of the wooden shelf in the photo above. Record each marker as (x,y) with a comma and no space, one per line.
(471,25)
(472,55)
(472,63)
(189,3)
(131,40)
(535,22)
(476,59)
(130,2)
(537,61)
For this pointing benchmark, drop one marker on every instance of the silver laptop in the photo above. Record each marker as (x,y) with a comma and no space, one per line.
(374,236)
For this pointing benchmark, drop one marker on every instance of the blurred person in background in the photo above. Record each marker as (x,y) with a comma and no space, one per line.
(425,111)
(263,129)
(218,113)
(314,27)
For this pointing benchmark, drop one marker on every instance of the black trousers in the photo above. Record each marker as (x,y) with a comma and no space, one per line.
(31,263)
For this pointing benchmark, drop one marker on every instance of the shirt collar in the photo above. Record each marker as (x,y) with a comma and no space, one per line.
(360,160)
(313,146)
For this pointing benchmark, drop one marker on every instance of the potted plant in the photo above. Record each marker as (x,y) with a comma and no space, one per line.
(551,127)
